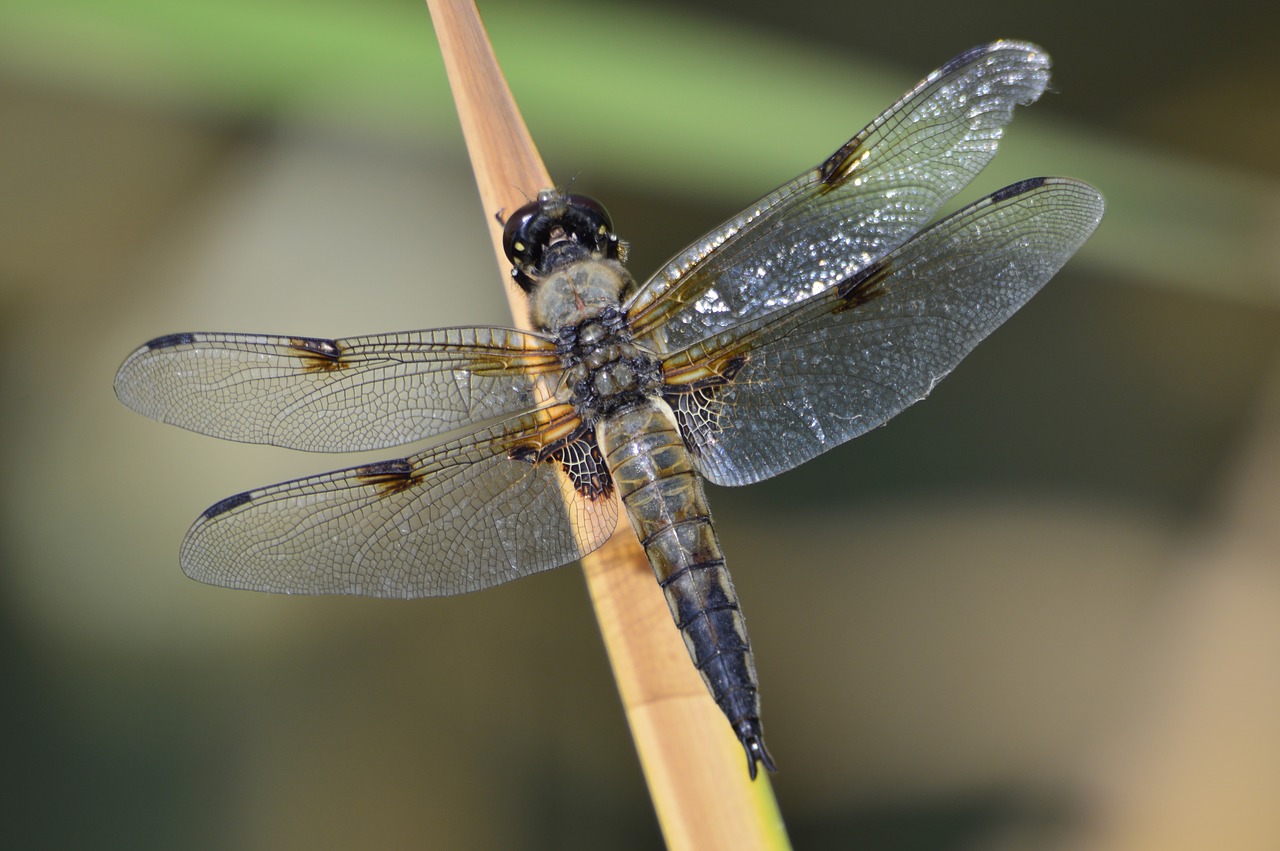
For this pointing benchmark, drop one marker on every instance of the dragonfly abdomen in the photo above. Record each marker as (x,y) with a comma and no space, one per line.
(663,494)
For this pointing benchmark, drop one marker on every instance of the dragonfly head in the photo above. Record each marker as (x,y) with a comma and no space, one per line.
(554,230)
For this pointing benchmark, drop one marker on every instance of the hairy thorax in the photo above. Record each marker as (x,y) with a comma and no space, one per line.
(604,370)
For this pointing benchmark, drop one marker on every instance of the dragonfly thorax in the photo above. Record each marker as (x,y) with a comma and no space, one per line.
(578,292)
(604,370)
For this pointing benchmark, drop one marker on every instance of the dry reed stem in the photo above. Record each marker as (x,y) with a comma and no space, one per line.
(694,765)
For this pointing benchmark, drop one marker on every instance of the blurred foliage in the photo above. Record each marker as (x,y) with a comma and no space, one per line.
(947,612)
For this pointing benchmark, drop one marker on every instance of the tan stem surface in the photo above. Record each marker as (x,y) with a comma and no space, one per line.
(695,767)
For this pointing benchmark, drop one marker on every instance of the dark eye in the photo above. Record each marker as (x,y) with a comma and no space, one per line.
(593,210)
(516,239)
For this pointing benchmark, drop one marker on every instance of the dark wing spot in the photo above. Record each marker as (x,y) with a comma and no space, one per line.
(395,467)
(579,456)
(170,341)
(837,167)
(1015,189)
(528,454)
(865,286)
(584,465)
(845,162)
(318,355)
(731,369)
(389,477)
(225,505)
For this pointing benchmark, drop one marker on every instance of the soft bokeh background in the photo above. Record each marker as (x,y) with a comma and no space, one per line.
(1041,610)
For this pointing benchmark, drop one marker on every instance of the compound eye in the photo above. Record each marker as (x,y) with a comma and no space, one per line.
(517,242)
(595,211)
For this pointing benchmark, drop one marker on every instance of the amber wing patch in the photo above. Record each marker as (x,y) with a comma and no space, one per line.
(697,403)
(572,445)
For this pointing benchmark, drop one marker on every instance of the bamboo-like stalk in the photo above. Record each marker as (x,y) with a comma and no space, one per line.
(694,765)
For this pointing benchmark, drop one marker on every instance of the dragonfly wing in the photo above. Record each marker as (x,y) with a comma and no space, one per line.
(335,395)
(866,199)
(763,398)
(495,505)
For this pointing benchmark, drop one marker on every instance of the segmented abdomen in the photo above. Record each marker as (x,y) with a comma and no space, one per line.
(664,498)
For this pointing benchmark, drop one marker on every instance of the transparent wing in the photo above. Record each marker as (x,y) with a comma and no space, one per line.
(763,398)
(462,516)
(882,186)
(335,395)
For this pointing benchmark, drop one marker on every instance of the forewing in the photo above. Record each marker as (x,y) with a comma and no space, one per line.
(462,516)
(763,398)
(335,395)
(866,199)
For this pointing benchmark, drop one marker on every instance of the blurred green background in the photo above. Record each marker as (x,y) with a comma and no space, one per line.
(1040,610)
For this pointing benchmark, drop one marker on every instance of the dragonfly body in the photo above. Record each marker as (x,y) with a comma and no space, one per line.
(663,494)
(815,315)
(615,387)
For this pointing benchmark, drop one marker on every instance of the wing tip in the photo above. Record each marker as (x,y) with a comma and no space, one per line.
(169,341)
(1015,189)
(126,384)
(1030,184)
(223,506)
(1034,55)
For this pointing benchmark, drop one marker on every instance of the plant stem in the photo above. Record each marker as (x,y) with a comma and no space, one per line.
(692,762)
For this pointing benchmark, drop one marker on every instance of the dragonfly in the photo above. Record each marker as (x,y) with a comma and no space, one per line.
(815,315)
